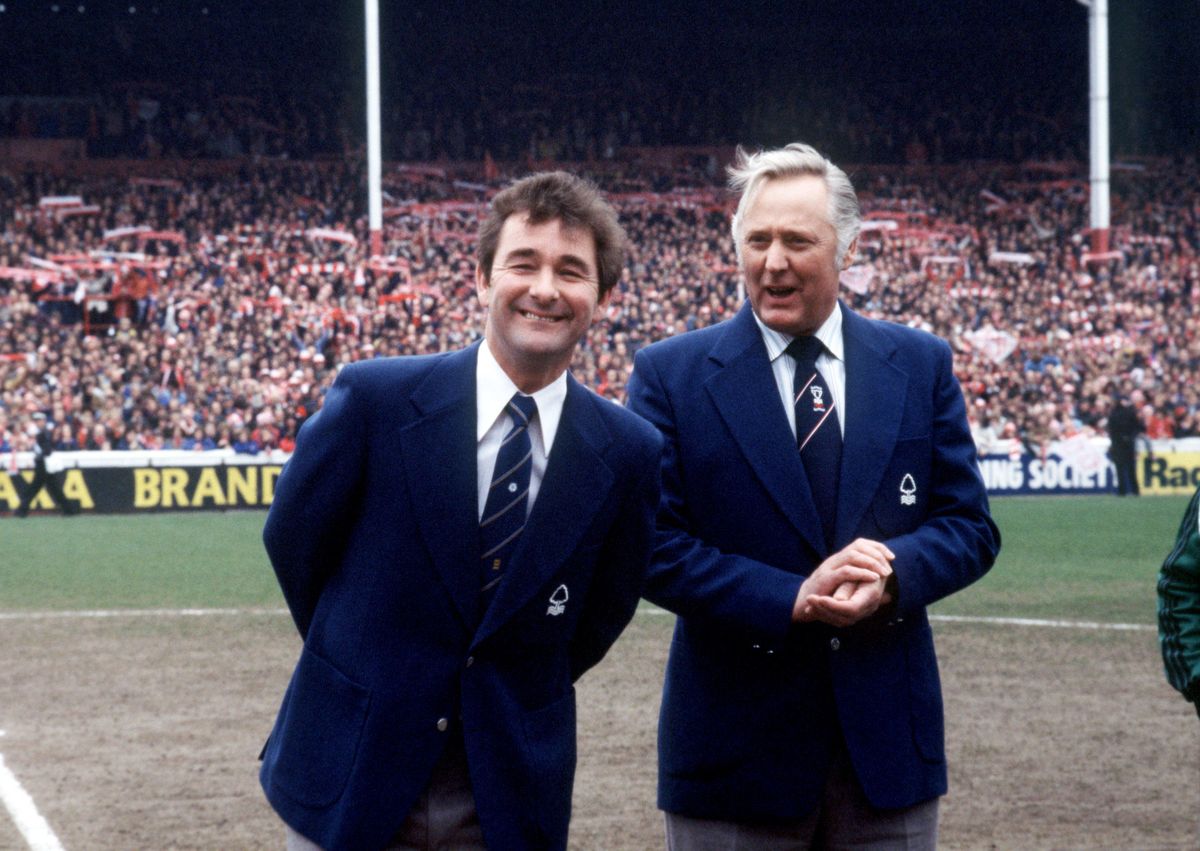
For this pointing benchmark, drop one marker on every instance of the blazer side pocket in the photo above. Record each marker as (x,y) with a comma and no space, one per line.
(550,763)
(319,732)
(925,698)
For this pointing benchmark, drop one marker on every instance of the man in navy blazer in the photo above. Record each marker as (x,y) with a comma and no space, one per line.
(430,709)
(802,706)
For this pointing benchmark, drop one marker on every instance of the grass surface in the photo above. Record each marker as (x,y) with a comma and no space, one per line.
(1081,558)
(135,561)
(1092,558)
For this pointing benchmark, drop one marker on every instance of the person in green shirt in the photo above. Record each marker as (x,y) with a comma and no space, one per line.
(1179,607)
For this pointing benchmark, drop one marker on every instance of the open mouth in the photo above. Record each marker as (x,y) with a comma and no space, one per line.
(538,317)
(780,292)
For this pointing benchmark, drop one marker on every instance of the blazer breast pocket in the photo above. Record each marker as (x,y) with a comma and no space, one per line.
(563,597)
(902,498)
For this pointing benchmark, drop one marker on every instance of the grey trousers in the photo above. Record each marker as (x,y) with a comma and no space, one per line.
(844,819)
(444,816)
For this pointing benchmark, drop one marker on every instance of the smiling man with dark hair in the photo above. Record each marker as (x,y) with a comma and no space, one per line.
(459,537)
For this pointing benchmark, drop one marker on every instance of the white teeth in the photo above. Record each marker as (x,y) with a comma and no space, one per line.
(529,315)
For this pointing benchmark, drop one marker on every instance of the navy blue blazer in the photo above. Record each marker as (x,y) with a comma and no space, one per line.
(752,704)
(374,536)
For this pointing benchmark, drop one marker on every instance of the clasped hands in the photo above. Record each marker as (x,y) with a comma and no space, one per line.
(847,587)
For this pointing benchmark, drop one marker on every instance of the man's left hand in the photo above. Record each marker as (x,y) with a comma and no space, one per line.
(850,603)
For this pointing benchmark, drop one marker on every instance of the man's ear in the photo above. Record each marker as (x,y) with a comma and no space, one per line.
(481,285)
(601,306)
(851,253)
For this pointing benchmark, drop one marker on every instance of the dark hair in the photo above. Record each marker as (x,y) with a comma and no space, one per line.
(576,202)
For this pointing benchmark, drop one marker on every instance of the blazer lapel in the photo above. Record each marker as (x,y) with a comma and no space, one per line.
(576,482)
(744,392)
(439,451)
(876,393)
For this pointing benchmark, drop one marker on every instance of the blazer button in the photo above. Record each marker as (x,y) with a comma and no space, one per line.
(834,644)
(470,661)
(442,725)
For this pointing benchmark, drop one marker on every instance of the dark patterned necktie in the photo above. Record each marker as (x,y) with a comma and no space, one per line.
(508,496)
(818,433)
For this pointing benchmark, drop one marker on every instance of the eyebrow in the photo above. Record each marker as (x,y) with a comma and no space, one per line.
(565,260)
(786,232)
(572,260)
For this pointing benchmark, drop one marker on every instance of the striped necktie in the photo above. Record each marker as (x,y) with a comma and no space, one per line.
(507,502)
(818,434)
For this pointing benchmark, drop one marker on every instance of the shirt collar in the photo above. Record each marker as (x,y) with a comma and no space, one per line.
(493,389)
(830,335)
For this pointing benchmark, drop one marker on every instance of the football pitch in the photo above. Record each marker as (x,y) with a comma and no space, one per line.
(1087,558)
(145,657)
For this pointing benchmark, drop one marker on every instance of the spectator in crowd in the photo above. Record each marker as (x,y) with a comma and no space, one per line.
(244,444)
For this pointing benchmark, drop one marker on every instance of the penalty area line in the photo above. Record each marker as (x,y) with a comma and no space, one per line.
(1035,622)
(25,816)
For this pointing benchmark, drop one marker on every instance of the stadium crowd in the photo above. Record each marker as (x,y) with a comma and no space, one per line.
(213,311)
(141,120)
(120,83)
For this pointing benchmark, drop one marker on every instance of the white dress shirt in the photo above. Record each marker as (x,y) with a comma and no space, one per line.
(831,364)
(493,389)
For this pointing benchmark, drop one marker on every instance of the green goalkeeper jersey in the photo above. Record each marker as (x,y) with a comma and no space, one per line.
(1179,606)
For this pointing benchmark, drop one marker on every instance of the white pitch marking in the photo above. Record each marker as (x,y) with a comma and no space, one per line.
(649,610)
(24,814)
(1057,624)
(133,613)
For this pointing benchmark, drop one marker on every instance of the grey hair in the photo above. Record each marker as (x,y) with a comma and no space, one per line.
(750,171)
